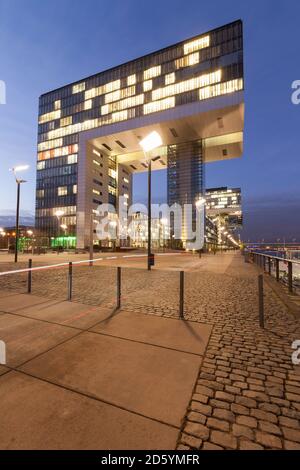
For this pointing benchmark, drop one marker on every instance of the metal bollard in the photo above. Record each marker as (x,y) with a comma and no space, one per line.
(29,279)
(290,276)
(70,281)
(119,286)
(181,300)
(277,270)
(261,301)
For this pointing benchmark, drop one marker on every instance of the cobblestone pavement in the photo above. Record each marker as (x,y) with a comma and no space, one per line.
(247,395)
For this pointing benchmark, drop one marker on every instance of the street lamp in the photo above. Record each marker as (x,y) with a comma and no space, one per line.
(19,182)
(151,142)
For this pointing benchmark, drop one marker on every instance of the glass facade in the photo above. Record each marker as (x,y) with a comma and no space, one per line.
(203,67)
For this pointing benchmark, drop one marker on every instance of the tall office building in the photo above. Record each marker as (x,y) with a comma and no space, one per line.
(89,131)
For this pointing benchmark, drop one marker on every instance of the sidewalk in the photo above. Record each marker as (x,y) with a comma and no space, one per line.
(79,377)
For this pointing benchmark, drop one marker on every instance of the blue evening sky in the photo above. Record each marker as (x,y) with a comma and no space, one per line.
(46,44)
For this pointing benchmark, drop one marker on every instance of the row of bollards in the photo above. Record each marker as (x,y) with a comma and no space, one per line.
(119,286)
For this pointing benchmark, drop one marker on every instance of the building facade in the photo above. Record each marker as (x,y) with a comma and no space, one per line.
(89,131)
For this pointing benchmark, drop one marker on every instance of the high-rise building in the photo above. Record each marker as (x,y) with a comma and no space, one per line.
(89,131)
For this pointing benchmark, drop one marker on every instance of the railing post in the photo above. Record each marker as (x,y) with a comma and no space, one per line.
(290,276)
(29,279)
(261,301)
(277,270)
(70,281)
(119,286)
(264,263)
(181,300)
(270,266)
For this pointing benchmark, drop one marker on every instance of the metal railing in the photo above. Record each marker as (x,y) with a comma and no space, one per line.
(283,270)
(117,288)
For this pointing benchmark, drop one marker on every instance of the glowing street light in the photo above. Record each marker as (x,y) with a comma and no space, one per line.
(150,142)
(19,181)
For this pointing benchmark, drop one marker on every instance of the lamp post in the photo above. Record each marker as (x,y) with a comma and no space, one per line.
(151,142)
(19,181)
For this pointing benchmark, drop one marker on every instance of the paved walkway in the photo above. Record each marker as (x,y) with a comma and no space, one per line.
(244,395)
(80,377)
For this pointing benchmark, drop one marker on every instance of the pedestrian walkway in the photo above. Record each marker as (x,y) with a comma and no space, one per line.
(82,377)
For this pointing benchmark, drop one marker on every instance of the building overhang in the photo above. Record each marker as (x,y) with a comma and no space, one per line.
(219,122)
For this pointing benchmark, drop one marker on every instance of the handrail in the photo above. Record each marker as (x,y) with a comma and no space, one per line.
(275,257)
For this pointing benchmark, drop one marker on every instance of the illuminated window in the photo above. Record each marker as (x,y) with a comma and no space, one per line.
(112,173)
(40,193)
(187,85)
(112,190)
(72,159)
(221,89)
(66,121)
(41,165)
(62,191)
(121,116)
(50,144)
(131,80)
(161,105)
(88,104)
(148,84)
(57,104)
(126,180)
(50,116)
(187,61)
(152,72)
(196,45)
(74,188)
(95,191)
(123,104)
(101,90)
(78,88)
(170,78)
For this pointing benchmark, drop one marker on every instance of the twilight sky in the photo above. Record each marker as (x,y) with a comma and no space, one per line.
(46,44)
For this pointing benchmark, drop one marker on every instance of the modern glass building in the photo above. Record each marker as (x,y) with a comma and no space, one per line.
(89,131)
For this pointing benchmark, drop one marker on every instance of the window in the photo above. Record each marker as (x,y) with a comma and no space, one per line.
(112,173)
(126,180)
(88,104)
(41,165)
(95,152)
(72,159)
(187,61)
(131,80)
(152,72)
(40,193)
(95,191)
(221,89)
(50,116)
(196,45)
(66,121)
(57,104)
(74,188)
(62,191)
(159,105)
(96,162)
(170,78)
(78,88)
(148,84)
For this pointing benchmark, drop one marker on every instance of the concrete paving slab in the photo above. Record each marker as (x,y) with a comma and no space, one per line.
(6,293)
(15,302)
(67,313)
(25,338)
(60,419)
(153,381)
(169,333)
